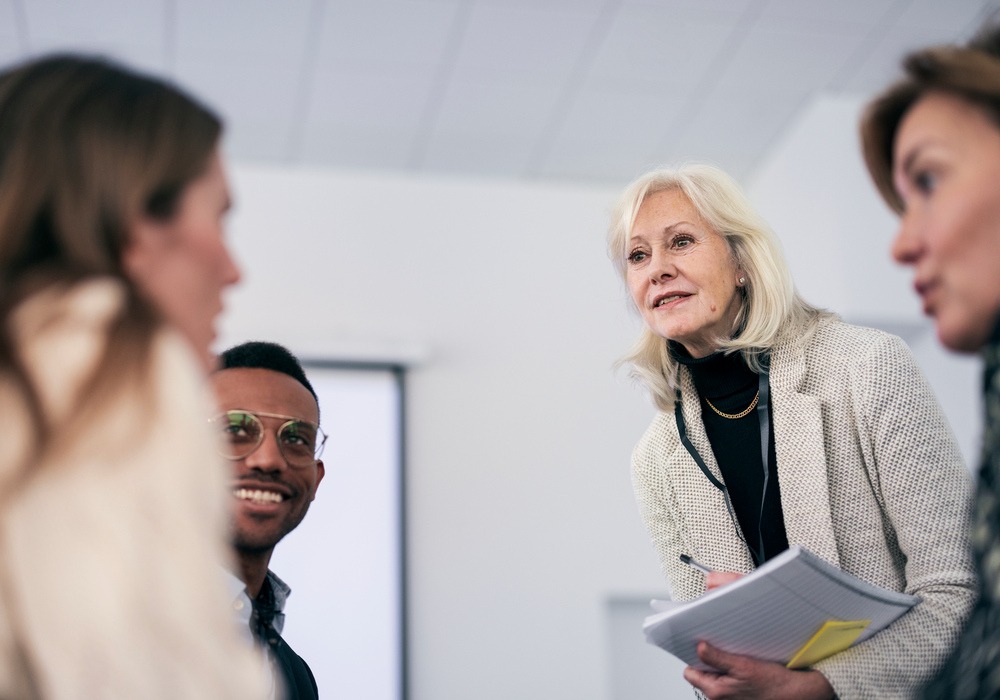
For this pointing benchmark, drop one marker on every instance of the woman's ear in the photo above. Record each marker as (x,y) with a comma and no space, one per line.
(144,246)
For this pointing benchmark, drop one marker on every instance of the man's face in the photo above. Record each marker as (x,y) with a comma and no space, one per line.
(270,496)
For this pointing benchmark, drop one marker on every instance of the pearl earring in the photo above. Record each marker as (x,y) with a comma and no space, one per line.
(743,280)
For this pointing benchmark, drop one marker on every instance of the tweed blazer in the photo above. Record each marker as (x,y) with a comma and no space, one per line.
(871,480)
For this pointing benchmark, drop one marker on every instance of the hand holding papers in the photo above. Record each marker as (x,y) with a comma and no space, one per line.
(795,609)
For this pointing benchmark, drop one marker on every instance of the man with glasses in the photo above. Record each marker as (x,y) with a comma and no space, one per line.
(269,429)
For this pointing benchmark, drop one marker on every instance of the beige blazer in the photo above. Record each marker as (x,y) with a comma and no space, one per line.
(871,480)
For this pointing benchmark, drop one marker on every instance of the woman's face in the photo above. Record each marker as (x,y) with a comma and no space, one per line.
(182,264)
(947,171)
(681,274)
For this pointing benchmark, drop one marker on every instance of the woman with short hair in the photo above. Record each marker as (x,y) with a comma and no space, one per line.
(932,145)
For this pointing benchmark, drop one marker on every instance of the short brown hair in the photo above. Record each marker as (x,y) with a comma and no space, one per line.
(970,72)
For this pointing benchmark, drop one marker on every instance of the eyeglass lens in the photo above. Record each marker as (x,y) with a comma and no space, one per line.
(243,433)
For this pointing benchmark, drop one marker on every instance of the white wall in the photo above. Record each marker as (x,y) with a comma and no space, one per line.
(521,518)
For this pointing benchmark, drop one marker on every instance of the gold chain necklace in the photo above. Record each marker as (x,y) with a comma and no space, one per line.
(735,416)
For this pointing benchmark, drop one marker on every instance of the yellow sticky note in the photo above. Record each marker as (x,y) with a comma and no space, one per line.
(833,636)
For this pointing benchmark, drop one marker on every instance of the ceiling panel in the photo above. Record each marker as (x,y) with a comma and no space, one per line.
(384,109)
(495,108)
(217,28)
(477,154)
(617,158)
(643,116)
(654,46)
(381,100)
(127,31)
(700,8)
(845,11)
(949,18)
(12,41)
(802,54)
(516,43)
(410,36)
(610,131)
(474,115)
(258,65)
(357,147)
(594,90)
(109,21)
(882,62)
(735,128)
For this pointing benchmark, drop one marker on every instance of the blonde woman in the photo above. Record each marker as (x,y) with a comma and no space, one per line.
(778,425)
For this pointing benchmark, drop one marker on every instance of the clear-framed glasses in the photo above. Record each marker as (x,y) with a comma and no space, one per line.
(301,442)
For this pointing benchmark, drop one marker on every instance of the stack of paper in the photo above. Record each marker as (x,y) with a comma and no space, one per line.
(795,609)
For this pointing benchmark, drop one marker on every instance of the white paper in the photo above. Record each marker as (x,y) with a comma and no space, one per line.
(771,613)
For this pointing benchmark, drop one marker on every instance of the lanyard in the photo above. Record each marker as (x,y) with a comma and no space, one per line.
(764,420)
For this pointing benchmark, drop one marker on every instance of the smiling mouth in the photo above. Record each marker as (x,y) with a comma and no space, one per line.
(667,300)
(258,496)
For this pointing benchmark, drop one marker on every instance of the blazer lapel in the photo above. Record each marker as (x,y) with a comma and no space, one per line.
(715,537)
(801,454)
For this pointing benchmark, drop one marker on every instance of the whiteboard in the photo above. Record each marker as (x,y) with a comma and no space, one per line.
(344,562)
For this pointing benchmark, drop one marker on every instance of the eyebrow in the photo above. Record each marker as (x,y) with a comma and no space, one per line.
(907,163)
(667,229)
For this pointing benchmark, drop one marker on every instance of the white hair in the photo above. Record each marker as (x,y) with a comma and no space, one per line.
(770,307)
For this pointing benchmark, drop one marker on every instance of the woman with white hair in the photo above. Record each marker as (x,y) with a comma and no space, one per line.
(779,425)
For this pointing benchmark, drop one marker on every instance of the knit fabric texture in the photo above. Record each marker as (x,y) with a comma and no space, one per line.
(871,480)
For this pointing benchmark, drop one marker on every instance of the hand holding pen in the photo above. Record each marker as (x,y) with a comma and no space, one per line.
(713,579)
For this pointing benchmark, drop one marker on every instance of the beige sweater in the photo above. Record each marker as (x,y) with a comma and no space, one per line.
(110,583)
(871,480)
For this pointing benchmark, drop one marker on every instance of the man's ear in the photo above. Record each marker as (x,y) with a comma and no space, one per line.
(320,473)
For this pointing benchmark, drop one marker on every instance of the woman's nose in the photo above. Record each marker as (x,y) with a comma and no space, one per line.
(908,243)
(662,268)
(230,270)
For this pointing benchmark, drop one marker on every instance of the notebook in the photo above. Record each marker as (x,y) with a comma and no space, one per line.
(795,609)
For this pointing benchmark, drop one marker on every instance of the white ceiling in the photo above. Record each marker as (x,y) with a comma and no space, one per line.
(579,90)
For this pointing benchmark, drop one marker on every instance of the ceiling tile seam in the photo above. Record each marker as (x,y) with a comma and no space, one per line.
(307,81)
(560,110)
(21,20)
(170,37)
(710,80)
(867,46)
(438,88)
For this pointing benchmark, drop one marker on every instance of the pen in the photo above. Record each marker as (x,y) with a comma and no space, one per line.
(694,564)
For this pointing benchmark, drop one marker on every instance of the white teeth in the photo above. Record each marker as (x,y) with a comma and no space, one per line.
(258,496)
(664,300)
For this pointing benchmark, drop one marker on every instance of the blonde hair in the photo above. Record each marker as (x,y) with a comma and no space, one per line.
(770,307)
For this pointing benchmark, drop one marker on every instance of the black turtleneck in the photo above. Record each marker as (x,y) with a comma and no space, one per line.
(730,385)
